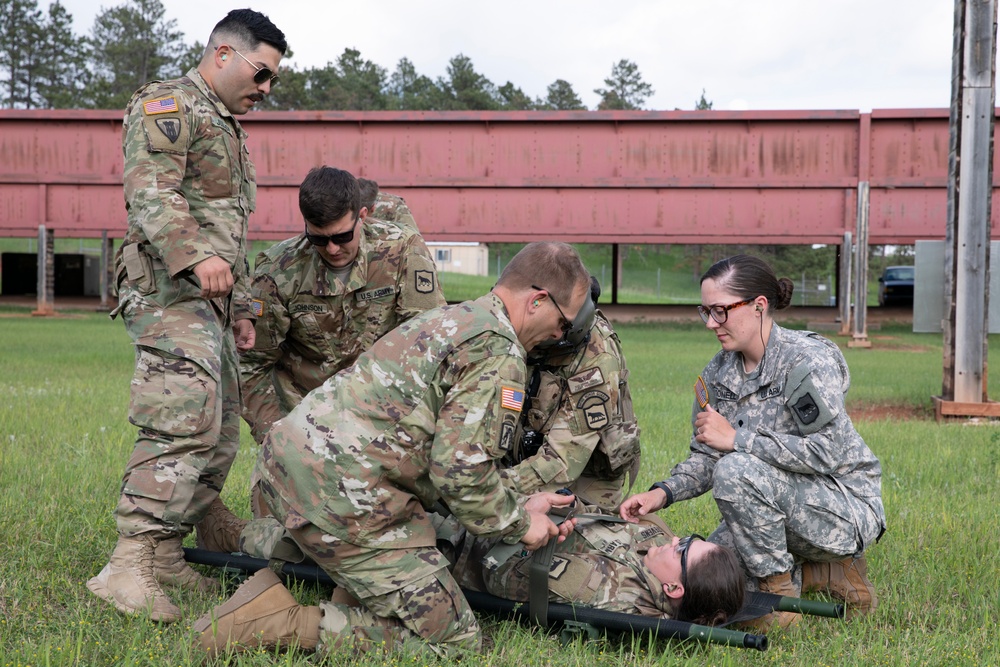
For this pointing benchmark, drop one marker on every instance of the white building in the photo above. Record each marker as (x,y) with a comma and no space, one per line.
(461,257)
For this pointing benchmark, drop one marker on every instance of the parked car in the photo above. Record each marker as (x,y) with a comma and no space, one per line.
(895,286)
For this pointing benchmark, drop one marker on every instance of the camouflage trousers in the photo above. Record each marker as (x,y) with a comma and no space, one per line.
(410,602)
(771,517)
(185,399)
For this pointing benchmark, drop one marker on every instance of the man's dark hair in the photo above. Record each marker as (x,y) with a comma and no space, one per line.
(327,194)
(715,588)
(249,28)
(369,193)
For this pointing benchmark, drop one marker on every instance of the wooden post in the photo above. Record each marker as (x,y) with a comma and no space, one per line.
(616,268)
(860,334)
(46,273)
(844,285)
(107,268)
(967,230)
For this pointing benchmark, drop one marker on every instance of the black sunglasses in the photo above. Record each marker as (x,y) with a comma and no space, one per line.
(682,550)
(335,239)
(263,73)
(566,324)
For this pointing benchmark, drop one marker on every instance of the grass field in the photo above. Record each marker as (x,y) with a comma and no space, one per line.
(64,440)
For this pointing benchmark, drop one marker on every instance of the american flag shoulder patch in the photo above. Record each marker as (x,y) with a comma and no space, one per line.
(257,307)
(162,105)
(512,399)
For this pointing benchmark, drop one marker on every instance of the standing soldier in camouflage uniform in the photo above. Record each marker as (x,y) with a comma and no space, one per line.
(321,298)
(422,416)
(182,278)
(578,429)
(791,476)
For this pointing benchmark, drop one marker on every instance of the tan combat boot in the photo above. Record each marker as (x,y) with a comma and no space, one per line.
(127,581)
(845,580)
(261,613)
(220,529)
(776,584)
(170,568)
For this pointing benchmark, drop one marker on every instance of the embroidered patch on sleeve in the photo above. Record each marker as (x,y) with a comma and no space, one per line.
(423,281)
(701,392)
(162,105)
(512,399)
(257,307)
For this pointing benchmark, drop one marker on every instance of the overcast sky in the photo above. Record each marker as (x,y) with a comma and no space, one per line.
(745,54)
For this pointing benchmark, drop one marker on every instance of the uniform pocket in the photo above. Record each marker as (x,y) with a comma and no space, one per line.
(171,395)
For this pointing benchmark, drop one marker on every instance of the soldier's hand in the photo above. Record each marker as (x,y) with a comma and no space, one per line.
(215,277)
(635,507)
(541,531)
(714,430)
(245,335)
(543,501)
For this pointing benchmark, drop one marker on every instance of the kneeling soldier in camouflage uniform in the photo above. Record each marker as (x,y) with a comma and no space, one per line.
(792,478)
(422,416)
(578,430)
(321,298)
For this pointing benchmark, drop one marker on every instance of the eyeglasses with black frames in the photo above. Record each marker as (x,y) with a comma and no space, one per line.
(566,323)
(720,313)
(336,239)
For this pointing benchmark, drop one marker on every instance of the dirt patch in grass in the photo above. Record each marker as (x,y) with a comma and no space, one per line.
(880,411)
(892,342)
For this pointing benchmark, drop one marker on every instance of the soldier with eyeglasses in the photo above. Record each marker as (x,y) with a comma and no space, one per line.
(183,287)
(795,483)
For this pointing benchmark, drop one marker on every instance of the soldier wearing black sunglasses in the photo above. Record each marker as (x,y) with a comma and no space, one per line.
(183,295)
(321,299)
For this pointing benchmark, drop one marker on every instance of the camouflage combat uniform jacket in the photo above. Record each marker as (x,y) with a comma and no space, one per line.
(583,408)
(789,413)
(599,565)
(190,185)
(423,415)
(310,324)
(393,208)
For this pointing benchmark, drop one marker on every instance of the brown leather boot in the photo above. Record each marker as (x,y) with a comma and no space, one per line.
(777,584)
(261,613)
(170,568)
(220,529)
(845,580)
(128,582)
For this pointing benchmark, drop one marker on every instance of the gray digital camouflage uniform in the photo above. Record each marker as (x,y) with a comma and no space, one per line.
(583,409)
(310,324)
(801,481)
(189,190)
(420,417)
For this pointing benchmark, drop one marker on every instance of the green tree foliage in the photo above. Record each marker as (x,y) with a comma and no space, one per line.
(43,64)
(561,96)
(703,104)
(133,43)
(465,88)
(408,89)
(513,98)
(625,88)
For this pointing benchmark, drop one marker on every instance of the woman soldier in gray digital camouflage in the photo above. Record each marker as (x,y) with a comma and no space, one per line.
(793,480)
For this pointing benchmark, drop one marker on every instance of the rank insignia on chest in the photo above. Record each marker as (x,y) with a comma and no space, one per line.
(512,399)
(257,307)
(162,105)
